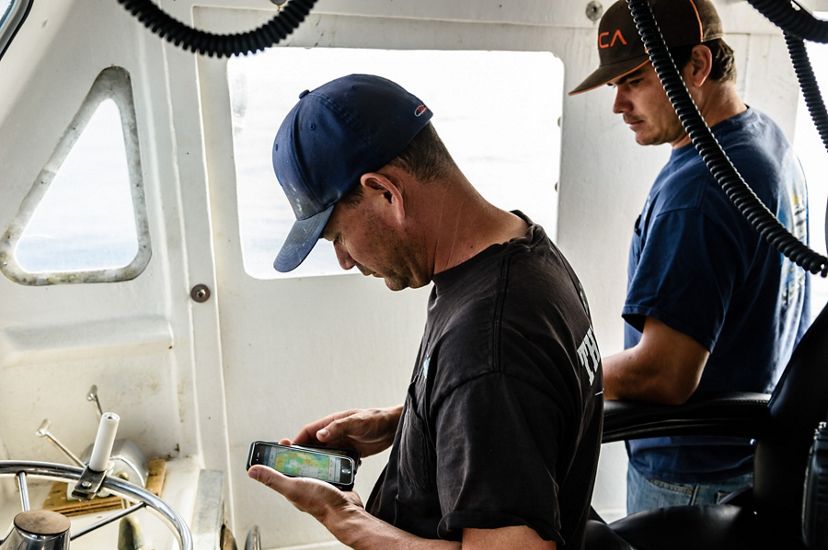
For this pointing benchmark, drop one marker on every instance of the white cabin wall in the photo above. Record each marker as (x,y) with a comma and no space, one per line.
(54,348)
(135,339)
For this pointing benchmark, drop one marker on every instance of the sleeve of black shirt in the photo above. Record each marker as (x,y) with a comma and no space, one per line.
(492,469)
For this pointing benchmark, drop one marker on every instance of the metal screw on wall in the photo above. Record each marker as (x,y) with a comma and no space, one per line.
(594,11)
(200,293)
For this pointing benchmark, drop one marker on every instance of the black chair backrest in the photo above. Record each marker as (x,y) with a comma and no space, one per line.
(798,404)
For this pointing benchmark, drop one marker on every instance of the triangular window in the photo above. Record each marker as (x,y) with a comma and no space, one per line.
(85,219)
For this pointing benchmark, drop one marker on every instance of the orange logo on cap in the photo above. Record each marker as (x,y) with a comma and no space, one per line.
(605,42)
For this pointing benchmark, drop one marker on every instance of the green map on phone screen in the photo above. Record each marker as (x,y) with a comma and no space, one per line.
(303,464)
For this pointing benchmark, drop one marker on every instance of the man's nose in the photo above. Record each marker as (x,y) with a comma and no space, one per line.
(342,256)
(621,103)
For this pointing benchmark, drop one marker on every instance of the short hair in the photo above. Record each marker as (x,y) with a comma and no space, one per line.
(353,196)
(426,158)
(723,68)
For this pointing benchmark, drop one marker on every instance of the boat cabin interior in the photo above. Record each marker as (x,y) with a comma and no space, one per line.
(140,216)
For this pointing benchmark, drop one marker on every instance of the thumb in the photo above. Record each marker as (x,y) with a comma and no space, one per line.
(335,431)
(324,434)
(266,476)
(256,472)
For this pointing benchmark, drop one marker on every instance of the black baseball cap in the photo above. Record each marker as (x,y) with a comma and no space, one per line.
(334,134)
(620,49)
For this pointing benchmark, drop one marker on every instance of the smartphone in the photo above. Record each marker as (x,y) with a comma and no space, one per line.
(337,467)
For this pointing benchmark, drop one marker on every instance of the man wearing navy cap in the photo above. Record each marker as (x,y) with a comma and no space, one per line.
(497,442)
(710,306)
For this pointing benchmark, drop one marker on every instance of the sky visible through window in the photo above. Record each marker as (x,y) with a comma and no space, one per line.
(497,112)
(86,219)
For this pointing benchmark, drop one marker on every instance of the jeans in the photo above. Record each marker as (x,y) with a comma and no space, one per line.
(645,494)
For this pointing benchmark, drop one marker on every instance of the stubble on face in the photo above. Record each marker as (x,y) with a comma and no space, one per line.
(391,256)
(647,110)
(669,134)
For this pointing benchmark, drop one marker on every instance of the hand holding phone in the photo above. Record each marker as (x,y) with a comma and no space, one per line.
(367,431)
(337,467)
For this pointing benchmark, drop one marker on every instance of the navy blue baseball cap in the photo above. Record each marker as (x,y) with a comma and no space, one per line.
(333,135)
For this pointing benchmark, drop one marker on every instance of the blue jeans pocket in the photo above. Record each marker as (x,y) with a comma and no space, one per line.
(647,494)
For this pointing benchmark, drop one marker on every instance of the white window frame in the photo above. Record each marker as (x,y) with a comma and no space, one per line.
(18,11)
(112,83)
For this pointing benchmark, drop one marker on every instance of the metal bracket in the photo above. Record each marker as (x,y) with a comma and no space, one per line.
(89,484)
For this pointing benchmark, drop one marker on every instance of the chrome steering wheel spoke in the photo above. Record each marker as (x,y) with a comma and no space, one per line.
(140,497)
(23,489)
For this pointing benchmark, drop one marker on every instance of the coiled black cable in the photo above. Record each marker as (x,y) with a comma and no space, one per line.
(711,152)
(808,84)
(220,45)
(792,20)
(810,91)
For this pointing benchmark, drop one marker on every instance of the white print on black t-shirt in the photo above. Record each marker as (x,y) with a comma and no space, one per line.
(588,355)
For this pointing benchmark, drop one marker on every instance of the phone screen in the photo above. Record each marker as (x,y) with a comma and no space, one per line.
(306,463)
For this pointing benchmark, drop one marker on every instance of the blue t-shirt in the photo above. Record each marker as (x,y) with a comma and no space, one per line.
(697,265)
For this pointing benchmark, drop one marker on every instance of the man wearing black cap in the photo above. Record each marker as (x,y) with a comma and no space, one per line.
(710,306)
(497,442)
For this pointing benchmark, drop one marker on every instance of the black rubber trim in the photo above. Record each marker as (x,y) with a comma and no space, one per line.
(732,414)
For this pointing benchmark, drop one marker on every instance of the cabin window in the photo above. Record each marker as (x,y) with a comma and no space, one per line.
(497,112)
(814,158)
(84,220)
(12,14)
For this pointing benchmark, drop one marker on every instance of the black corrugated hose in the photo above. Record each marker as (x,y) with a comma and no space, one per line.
(810,91)
(794,20)
(711,152)
(220,45)
(808,84)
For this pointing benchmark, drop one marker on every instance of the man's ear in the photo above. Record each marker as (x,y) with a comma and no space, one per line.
(386,191)
(699,66)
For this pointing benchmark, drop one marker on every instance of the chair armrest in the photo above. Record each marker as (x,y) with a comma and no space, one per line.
(732,414)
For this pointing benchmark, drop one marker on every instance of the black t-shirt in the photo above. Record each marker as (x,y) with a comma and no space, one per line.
(502,422)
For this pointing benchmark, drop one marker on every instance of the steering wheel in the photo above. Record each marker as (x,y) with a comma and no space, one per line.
(140,497)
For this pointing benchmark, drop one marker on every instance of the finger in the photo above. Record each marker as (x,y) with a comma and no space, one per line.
(308,433)
(338,430)
(268,476)
(308,495)
(285,442)
(305,437)
(289,487)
